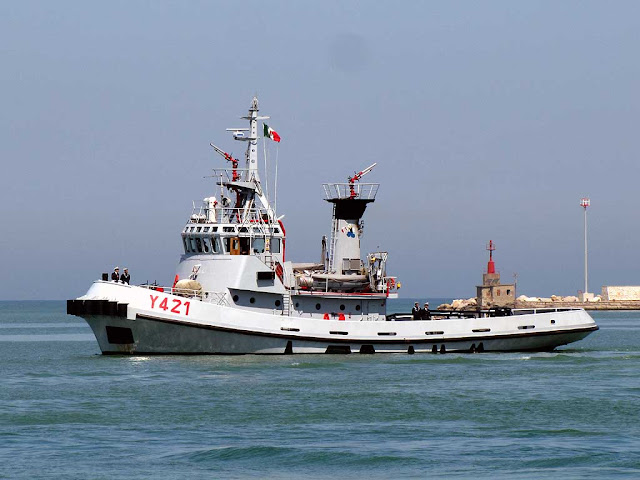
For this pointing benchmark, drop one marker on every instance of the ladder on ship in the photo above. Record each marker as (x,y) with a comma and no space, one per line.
(286,303)
(334,238)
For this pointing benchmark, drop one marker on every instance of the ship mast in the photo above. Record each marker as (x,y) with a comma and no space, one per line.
(252,147)
(252,155)
(247,185)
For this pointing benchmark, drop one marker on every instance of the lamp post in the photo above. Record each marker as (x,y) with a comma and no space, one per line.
(584,203)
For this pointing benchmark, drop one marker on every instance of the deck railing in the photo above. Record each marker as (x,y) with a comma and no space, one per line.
(218,298)
(457,314)
(361,191)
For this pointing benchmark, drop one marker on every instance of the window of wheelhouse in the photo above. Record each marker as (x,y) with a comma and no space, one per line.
(186,244)
(258,245)
(216,247)
(275,245)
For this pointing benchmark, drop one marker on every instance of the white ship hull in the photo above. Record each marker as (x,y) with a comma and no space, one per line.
(124,322)
(234,292)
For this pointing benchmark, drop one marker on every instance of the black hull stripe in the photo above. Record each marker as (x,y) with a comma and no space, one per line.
(333,340)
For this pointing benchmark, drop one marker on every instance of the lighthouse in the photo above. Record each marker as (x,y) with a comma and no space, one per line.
(492,293)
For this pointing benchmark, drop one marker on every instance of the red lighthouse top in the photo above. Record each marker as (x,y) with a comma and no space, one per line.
(491,268)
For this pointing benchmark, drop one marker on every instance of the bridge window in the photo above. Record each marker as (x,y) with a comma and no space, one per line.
(199,245)
(215,245)
(205,244)
(275,245)
(186,248)
(258,245)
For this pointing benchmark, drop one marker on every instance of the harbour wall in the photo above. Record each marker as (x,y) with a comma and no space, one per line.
(600,305)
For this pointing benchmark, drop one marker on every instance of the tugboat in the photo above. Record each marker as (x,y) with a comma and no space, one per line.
(234,292)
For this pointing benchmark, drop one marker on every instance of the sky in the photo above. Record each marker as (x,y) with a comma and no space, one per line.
(488,121)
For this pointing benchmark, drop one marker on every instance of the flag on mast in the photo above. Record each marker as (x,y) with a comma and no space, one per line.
(271,133)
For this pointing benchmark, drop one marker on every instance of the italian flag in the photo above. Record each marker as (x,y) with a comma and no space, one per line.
(271,133)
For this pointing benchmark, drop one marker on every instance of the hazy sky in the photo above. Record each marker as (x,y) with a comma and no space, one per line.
(488,120)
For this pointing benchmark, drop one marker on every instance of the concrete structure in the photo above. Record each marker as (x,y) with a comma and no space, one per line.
(492,293)
(620,293)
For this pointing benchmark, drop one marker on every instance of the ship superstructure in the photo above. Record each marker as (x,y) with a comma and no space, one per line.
(234,243)
(234,291)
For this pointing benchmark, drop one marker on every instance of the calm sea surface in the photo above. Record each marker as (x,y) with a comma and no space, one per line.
(68,412)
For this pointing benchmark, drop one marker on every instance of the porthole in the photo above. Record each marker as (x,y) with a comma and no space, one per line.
(342,307)
(277,303)
(297,304)
(318,306)
(357,308)
(252,300)
(236,298)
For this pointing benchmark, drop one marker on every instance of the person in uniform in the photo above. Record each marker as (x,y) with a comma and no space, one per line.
(115,276)
(425,314)
(415,311)
(125,277)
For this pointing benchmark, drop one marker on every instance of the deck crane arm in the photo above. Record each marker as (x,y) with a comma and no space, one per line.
(229,157)
(356,177)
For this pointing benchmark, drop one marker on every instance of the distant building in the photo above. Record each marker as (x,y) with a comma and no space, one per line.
(620,293)
(492,293)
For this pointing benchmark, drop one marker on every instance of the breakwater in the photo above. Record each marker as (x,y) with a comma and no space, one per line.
(599,305)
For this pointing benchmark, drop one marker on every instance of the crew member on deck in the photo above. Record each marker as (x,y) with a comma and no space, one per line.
(415,311)
(115,276)
(125,277)
(425,314)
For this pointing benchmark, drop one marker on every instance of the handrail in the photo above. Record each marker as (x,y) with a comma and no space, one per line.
(362,191)
(254,216)
(218,298)
(491,313)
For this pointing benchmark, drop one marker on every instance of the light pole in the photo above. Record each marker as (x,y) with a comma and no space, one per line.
(584,203)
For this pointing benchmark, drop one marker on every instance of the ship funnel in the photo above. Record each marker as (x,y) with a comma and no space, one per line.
(349,201)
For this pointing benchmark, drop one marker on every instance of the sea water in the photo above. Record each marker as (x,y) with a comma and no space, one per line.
(68,412)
